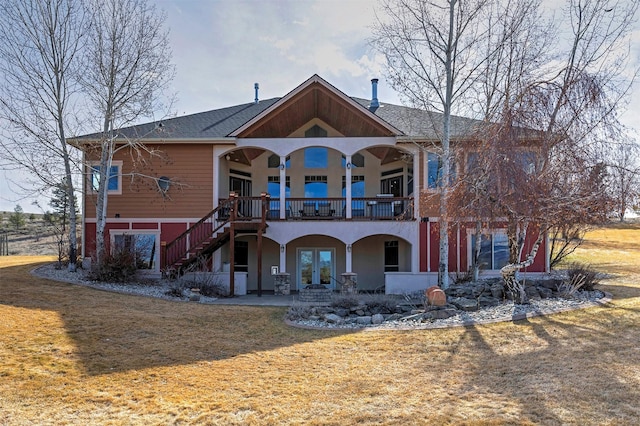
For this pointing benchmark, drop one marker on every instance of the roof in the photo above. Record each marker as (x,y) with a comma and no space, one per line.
(225,122)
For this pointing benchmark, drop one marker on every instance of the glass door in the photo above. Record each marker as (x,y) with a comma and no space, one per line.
(316,266)
(242,187)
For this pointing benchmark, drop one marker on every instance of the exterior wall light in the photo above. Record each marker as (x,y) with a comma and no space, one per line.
(349,248)
(282,248)
(164,183)
(281,166)
(349,165)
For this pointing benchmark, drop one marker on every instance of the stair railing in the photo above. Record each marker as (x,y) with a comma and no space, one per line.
(201,231)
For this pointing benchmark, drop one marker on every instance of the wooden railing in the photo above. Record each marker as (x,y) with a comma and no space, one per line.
(200,232)
(233,209)
(362,208)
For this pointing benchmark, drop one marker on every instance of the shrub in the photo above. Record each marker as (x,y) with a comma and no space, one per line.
(298,312)
(582,272)
(344,301)
(117,266)
(175,290)
(381,303)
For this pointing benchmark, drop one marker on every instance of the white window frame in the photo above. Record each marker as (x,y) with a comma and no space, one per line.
(156,258)
(470,248)
(114,163)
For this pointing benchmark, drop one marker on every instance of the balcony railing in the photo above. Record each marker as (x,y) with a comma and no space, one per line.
(362,208)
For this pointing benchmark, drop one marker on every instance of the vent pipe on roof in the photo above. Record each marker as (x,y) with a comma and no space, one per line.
(374,95)
(256,87)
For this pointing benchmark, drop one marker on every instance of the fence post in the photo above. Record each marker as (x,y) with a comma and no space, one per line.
(4,244)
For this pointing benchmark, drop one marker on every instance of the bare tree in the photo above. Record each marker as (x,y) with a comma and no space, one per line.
(128,68)
(39,45)
(624,170)
(431,51)
(569,109)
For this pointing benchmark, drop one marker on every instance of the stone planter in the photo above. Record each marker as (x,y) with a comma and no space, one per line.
(282,284)
(315,295)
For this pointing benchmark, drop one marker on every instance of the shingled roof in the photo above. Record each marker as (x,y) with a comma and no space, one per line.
(221,123)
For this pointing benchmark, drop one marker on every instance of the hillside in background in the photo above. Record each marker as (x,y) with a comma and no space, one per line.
(35,237)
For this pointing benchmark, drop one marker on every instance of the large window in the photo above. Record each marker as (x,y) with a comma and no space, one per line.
(434,170)
(274,162)
(315,132)
(357,160)
(316,158)
(142,245)
(273,189)
(392,185)
(114,184)
(241,256)
(494,250)
(391,256)
(315,187)
(357,191)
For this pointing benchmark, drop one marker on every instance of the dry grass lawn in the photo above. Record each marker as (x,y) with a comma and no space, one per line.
(73,355)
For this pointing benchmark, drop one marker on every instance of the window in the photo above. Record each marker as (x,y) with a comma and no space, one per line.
(434,170)
(315,187)
(241,256)
(273,189)
(357,160)
(143,245)
(274,162)
(527,161)
(392,185)
(315,132)
(357,186)
(316,158)
(494,250)
(391,256)
(114,184)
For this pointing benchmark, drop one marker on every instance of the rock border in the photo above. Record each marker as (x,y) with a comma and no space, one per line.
(397,326)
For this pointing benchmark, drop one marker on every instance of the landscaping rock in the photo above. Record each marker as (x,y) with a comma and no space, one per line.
(333,319)
(497,290)
(377,319)
(545,292)
(465,304)
(342,312)
(440,314)
(365,320)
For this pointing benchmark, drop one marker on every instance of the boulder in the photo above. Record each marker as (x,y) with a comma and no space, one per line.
(377,319)
(435,296)
(497,290)
(333,319)
(465,304)
(366,320)
(441,313)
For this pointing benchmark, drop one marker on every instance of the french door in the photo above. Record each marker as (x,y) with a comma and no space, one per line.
(316,266)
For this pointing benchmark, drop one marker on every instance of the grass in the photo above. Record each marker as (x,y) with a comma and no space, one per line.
(73,355)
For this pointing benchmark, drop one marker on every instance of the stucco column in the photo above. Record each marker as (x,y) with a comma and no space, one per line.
(417,184)
(415,250)
(283,187)
(283,258)
(348,248)
(415,244)
(348,193)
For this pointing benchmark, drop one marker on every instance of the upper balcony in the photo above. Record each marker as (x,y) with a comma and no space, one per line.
(381,207)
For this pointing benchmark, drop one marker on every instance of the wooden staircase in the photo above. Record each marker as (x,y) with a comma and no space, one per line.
(209,234)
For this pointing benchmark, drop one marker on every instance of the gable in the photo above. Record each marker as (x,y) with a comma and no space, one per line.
(315,99)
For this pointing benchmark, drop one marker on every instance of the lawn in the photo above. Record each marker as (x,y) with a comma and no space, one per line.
(73,355)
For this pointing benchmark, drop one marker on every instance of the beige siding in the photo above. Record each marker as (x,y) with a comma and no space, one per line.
(190,195)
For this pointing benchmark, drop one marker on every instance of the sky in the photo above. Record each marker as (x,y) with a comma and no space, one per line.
(222,47)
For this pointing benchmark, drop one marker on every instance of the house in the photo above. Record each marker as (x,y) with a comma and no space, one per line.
(315,187)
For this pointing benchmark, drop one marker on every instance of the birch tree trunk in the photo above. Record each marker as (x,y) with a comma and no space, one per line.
(510,271)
